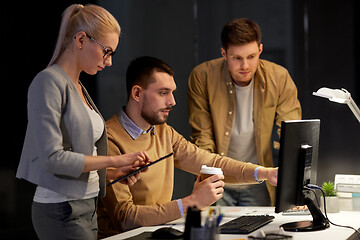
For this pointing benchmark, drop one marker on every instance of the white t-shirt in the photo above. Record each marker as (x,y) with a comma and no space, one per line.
(242,142)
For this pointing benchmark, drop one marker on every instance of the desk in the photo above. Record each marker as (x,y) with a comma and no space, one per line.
(351,218)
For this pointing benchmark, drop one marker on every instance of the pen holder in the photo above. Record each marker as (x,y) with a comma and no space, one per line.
(204,233)
(193,220)
(194,230)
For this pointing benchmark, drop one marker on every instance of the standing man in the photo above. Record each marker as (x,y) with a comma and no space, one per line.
(141,124)
(233,103)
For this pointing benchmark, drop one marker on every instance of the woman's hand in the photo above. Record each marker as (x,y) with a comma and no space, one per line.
(130,160)
(126,163)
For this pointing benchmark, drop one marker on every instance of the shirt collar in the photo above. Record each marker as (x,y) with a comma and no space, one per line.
(131,128)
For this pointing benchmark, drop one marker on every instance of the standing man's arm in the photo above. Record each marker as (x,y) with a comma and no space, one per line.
(288,107)
(199,113)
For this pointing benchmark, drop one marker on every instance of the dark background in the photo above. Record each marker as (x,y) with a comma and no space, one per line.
(317,41)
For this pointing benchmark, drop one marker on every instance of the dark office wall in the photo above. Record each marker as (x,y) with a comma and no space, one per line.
(326,53)
(28,36)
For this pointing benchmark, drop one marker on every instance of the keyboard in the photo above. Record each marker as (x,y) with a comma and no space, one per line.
(245,224)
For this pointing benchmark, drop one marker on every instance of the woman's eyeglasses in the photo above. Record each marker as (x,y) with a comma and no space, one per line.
(108,52)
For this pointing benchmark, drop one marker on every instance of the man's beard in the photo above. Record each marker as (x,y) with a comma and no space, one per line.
(152,117)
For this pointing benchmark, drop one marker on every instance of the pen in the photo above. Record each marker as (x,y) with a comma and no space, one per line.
(219,219)
(210,211)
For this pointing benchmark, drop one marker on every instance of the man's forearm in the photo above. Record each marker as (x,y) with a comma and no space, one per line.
(148,215)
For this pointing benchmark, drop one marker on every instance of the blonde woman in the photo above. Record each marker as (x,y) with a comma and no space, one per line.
(65,148)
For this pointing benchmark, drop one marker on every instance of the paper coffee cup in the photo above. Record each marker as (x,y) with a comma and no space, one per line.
(209,171)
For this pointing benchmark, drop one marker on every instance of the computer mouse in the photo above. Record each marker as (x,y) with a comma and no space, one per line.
(166,233)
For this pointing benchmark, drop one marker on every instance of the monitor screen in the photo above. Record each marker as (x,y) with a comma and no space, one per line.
(299,143)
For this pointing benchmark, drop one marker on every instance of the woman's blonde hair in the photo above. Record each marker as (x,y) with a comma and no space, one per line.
(94,20)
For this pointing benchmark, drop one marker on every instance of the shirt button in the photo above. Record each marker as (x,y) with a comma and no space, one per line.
(230,112)
(226,133)
(230,91)
(222,154)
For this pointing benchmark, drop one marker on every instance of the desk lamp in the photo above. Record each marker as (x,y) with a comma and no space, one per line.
(339,96)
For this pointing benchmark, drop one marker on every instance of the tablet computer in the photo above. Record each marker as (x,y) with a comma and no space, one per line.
(139,170)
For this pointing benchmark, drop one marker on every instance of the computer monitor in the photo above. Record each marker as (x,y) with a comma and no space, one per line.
(299,143)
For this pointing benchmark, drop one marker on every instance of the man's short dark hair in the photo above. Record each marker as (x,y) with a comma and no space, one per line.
(239,32)
(140,70)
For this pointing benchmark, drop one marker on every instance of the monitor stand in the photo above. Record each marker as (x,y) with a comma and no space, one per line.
(319,221)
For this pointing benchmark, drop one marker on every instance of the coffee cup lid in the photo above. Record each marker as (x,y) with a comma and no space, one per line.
(210,170)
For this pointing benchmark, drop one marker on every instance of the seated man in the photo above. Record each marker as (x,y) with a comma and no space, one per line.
(141,126)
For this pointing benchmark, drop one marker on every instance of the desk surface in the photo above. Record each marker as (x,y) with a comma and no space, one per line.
(350,218)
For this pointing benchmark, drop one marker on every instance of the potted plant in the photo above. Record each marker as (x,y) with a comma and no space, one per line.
(331,198)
